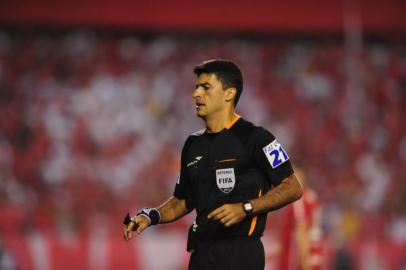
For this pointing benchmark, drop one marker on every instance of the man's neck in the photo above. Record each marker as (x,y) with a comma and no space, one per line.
(217,123)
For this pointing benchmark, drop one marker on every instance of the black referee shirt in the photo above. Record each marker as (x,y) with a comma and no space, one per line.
(239,163)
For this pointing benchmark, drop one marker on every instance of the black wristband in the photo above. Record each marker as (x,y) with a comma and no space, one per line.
(152,214)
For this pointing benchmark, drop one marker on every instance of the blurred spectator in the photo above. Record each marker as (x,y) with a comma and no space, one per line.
(7,260)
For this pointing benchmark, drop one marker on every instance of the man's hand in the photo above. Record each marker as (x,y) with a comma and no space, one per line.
(228,214)
(140,223)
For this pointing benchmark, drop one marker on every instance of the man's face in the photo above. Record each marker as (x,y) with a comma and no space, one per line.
(209,95)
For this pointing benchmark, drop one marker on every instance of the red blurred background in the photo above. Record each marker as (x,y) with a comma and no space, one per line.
(95,104)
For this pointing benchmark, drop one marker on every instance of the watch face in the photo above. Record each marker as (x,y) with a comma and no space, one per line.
(248,206)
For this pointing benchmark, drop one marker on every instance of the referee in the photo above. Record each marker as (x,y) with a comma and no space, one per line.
(232,174)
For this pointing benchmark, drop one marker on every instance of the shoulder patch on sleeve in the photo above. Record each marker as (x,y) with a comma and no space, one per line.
(275,154)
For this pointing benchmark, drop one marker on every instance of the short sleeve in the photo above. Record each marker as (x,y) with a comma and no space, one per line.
(183,188)
(271,157)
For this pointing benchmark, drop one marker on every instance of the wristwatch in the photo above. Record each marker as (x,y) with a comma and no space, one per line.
(247,207)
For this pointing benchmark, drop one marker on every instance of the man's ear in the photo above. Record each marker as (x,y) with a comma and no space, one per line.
(230,93)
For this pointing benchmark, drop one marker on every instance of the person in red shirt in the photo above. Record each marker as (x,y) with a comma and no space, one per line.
(301,236)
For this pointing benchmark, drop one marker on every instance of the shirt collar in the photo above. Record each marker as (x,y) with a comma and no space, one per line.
(233,120)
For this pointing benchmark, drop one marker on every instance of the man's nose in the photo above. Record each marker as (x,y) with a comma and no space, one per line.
(197,93)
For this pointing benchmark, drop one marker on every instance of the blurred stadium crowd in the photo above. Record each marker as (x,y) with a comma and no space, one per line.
(91,125)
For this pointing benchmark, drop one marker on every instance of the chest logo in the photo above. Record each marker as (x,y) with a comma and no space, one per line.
(196,160)
(225,179)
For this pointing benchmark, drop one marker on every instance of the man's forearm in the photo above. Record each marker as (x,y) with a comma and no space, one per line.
(286,192)
(172,210)
(302,240)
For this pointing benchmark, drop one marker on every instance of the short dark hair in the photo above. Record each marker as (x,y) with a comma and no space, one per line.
(226,71)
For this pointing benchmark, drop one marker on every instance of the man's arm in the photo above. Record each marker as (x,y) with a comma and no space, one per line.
(288,191)
(303,243)
(308,236)
(170,211)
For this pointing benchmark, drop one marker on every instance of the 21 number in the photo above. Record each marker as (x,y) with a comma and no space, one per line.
(279,156)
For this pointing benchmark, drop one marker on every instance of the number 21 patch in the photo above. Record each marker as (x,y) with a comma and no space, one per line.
(275,154)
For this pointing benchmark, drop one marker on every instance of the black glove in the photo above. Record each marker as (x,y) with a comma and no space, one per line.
(127,220)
